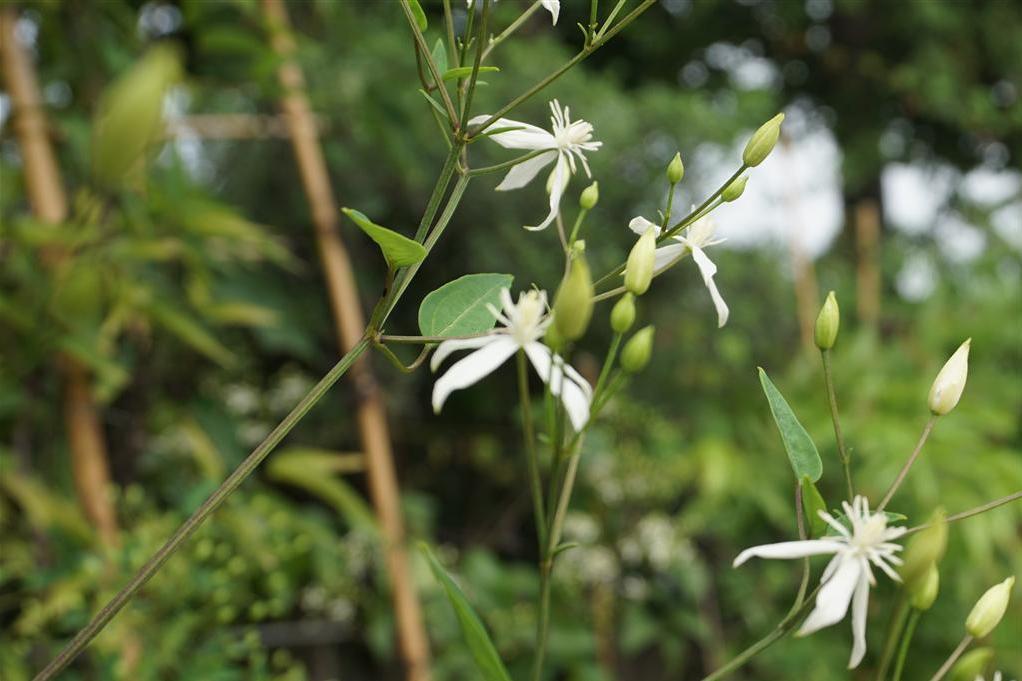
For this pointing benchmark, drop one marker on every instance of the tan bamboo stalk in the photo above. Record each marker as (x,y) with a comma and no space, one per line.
(867,239)
(350,325)
(802,267)
(49,203)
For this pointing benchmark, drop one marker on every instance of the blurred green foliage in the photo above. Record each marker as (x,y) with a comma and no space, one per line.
(194,295)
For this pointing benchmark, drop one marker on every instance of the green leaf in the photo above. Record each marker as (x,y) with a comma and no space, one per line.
(420,15)
(399,250)
(805,459)
(439,55)
(472,629)
(459,307)
(434,103)
(466,71)
(812,504)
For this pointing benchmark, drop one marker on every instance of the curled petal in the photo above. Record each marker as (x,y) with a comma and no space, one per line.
(789,549)
(860,605)
(552,6)
(472,368)
(556,185)
(665,256)
(708,269)
(525,136)
(448,346)
(575,393)
(834,597)
(641,225)
(523,173)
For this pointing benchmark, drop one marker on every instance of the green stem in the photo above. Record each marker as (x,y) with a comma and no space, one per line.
(543,621)
(973,511)
(467,102)
(906,640)
(434,71)
(828,378)
(425,340)
(950,661)
(610,17)
(608,363)
(515,25)
(188,528)
(908,463)
(894,630)
(577,226)
(398,362)
(442,182)
(529,435)
(452,48)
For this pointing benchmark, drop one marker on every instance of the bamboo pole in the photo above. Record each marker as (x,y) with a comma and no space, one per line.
(867,239)
(46,196)
(350,325)
(802,267)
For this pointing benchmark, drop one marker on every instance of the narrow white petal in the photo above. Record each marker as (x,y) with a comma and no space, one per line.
(448,346)
(552,6)
(860,605)
(527,136)
(576,403)
(833,599)
(578,378)
(556,185)
(789,549)
(708,269)
(575,393)
(523,173)
(641,225)
(665,256)
(472,368)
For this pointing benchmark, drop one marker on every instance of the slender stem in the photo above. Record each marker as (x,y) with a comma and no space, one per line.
(543,620)
(529,435)
(670,204)
(467,36)
(906,640)
(577,226)
(188,528)
(446,172)
(434,71)
(973,511)
(515,25)
(594,9)
(426,340)
(697,213)
(828,378)
(950,661)
(894,629)
(610,17)
(398,362)
(467,102)
(452,48)
(802,535)
(608,363)
(506,164)
(908,463)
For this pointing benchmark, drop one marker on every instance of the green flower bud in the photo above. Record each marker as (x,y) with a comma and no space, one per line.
(812,504)
(971,665)
(925,548)
(762,141)
(590,196)
(989,609)
(637,351)
(675,169)
(553,338)
(623,315)
(827,323)
(923,591)
(573,305)
(130,114)
(950,382)
(733,191)
(641,260)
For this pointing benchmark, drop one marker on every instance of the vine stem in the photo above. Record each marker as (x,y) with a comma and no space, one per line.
(828,378)
(529,435)
(420,40)
(507,32)
(972,511)
(950,661)
(908,463)
(906,640)
(897,624)
(188,528)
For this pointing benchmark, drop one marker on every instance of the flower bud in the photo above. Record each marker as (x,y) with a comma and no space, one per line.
(553,338)
(950,382)
(923,592)
(675,169)
(925,548)
(762,141)
(623,315)
(812,504)
(989,609)
(637,351)
(733,191)
(573,305)
(827,323)
(971,665)
(641,260)
(590,196)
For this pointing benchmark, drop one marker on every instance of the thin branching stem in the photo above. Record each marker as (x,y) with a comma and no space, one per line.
(507,32)
(529,437)
(952,658)
(842,451)
(466,105)
(906,641)
(908,463)
(434,71)
(973,511)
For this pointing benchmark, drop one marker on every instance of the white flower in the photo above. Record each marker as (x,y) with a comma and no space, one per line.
(552,6)
(997,677)
(697,237)
(848,576)
(524,324)
(565,144)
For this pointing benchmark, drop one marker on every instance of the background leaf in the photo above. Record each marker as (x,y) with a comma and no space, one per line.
(399,250)
(458,308)
(805,459)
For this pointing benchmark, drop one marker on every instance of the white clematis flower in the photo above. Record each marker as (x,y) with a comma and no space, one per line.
(552,6)
(524,324)
(848,576)
(696,238)
(566,144)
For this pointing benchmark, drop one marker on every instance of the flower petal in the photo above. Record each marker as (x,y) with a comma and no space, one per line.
(641,225)
(523,173)
(448,346)
(527,136)
(833,599)
(666,256)
(789,549)
(552,6)
(556,185)
(575,394)
(860,605)
(472,368)
(708,269)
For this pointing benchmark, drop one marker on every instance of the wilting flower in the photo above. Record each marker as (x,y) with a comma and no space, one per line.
(848,577)
(697,237)
(552,6)
(565,144)
(524,324)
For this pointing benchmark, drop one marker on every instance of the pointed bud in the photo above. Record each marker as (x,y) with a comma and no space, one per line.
(971,665)
(827,323)
(573,305)
(989,609)
(812,504)
(733,191)
(623,315)
(925,548)
(762,141)
(675,169)
(637,351)
(923,592)
(950,382)
(590,196)
(642,259)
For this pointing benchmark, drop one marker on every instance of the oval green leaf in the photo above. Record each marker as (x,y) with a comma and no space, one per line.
(399,250)
(472,630)
(459,307)
(802,452)
(419,14)
(466,71)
